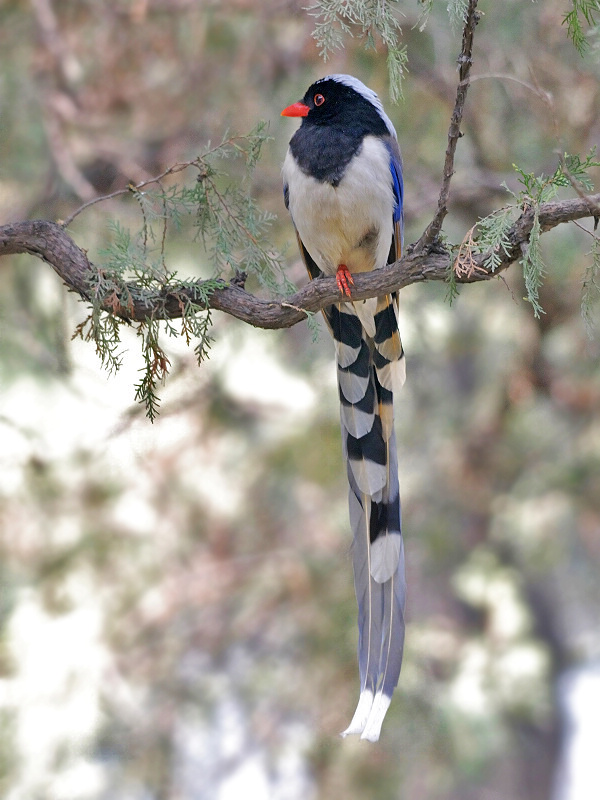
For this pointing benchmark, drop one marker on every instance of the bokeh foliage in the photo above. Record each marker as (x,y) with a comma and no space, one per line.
(186,586)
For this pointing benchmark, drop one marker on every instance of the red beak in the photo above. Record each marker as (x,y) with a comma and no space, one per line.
(295,110)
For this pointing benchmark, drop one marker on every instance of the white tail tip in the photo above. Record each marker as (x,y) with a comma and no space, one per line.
(362,713)
(372,727)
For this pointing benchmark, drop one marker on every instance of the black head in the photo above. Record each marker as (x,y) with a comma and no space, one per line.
(341,100)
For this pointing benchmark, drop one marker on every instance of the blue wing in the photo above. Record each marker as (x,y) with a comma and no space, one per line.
(398,184)
(398,187)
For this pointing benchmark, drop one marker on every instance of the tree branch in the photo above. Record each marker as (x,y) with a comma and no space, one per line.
(50,242)
(465,61)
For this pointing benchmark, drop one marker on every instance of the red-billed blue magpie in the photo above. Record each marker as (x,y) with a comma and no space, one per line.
(343,187)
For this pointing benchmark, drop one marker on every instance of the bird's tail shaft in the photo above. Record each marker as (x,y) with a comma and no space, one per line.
(370,366)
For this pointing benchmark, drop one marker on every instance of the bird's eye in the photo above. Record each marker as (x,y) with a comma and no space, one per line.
(319,99)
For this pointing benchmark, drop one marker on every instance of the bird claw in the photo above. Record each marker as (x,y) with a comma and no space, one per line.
(344,279)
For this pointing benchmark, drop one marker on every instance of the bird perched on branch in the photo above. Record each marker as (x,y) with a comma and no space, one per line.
(343,187)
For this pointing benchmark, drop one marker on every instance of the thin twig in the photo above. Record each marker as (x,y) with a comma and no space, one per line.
(465,263)
(584,229)
(296,308)
(465,60)
(503,76)
(173,170)
(133,188)
(579,189)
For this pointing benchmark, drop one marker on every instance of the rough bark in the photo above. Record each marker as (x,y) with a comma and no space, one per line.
(50,242)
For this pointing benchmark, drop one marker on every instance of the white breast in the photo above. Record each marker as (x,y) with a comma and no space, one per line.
(333,221)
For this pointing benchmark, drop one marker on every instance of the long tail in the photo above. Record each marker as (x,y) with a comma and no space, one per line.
(370,367)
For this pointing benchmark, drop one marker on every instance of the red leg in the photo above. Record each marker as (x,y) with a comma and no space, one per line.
(344,279)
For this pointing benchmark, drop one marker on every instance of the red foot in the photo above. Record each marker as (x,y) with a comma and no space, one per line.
(344,279)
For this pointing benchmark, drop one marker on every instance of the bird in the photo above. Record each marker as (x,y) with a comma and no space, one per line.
(343,187)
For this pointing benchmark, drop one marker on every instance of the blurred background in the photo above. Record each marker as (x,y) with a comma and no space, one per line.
(177,614)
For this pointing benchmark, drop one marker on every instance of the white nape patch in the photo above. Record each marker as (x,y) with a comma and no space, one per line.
(373,724)
(385,555)
(361,715)
(363,91)
(332,220)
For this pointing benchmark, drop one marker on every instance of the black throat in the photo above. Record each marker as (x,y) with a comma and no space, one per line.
(324,152)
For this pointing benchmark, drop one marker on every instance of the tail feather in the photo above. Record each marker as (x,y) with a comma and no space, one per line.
(357,418)
(366,310)
(388,357)
(347,333)
(367,375)
(391,651)
(370,610)
(354,379)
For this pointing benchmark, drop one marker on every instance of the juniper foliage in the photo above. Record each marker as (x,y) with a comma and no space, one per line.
(583,11)
(489,236)
(225,220)
(337,19)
